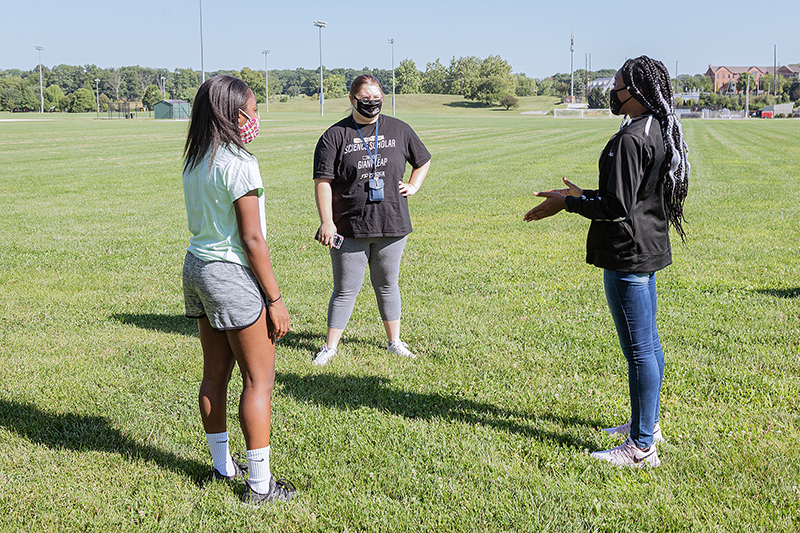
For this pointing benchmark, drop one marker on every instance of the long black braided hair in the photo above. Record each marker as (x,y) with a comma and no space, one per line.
(648,81)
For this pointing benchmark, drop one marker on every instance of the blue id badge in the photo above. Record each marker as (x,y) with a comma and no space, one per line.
(375,189)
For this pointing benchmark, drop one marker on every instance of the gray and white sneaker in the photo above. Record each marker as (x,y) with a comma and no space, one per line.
(627,454)
(280,490)
(239,470)
(324,355)
(400,348)
(625,431)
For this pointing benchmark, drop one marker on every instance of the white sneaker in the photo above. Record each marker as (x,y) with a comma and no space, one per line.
(400,348)
(324,356)
(625,431)
(627,454)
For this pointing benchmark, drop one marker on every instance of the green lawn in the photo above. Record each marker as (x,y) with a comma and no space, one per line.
(489,429)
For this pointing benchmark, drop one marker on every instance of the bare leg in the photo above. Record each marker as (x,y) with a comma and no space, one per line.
(334,336)
(218,361)
(255,352)
(392,328)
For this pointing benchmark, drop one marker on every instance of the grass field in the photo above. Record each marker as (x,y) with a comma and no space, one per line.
(488,430)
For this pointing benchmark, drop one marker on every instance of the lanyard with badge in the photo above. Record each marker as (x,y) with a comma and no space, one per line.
(375,183)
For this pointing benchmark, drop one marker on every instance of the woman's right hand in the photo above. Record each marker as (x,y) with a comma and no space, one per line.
(571,190)
(325,234)
(279,316)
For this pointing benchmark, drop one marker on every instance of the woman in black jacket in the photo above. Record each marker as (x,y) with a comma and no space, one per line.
(642,186)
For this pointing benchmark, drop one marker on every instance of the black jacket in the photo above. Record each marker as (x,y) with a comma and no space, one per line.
(630,228)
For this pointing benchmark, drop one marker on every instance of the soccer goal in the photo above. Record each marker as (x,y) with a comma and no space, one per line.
(582,113)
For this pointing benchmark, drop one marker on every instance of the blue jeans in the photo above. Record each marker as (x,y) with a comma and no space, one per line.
(632,300)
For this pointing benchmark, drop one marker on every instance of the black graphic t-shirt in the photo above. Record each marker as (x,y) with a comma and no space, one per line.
(342,157)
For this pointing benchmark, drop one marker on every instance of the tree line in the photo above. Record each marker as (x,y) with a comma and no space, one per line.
(75,88)
(488,80)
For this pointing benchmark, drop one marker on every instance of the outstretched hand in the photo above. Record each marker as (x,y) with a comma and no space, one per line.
(571,190)
(553,203)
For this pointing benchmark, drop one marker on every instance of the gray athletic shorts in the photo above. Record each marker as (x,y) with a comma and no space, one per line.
(227,293)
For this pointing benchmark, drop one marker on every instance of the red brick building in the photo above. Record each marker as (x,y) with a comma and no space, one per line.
(726,77)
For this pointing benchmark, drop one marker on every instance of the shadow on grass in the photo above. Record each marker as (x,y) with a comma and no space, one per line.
(781,293)
(159,322)
(353,392)
(467,104)
(88,433)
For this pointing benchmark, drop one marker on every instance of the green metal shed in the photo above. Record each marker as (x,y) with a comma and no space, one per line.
(175,109)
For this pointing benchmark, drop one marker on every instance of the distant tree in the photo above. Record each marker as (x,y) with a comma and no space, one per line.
(335,86)
(765,84)
(741,83)
(152,96)
(10,97)
(256,82)
(463,75)
(525,86)
(105,101)
(115,79)
(186,78)
(545,86)
(293,91)
(494,81)
(63,103)
(145,77)
(15,94)
(794,91)
(599,99)
(52,97)
(561,89)
(509,101)
(434,81)
(68,77)
(187,95)
(83,101)
(407,78)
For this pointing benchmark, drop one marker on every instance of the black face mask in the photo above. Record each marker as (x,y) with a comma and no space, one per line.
(369,108)
(616,105)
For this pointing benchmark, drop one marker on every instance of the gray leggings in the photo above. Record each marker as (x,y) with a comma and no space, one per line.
(383,255)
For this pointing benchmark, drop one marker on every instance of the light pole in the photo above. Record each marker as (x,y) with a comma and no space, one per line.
(391,41)
(571,71)
(164,87)
(41,91)
(202,66)
(266,75)
(321,24)
(97,95)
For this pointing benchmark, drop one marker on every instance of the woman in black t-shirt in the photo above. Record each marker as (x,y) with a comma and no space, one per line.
(362,201)
(642,186)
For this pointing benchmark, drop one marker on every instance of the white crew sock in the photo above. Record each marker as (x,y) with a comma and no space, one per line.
(220,453)
(258,472)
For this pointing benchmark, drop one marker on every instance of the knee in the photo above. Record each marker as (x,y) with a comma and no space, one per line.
(263,384)
(211,387)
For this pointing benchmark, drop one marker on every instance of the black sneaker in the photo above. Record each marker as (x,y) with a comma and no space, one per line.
(241,470)
(280,490)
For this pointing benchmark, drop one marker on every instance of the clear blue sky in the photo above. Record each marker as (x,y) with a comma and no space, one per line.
(534,37)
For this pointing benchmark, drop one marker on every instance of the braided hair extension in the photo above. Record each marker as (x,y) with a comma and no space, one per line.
(648,81)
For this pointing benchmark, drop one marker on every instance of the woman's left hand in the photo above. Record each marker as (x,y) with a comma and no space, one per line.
(408,189)
(280,319)
(553,203)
